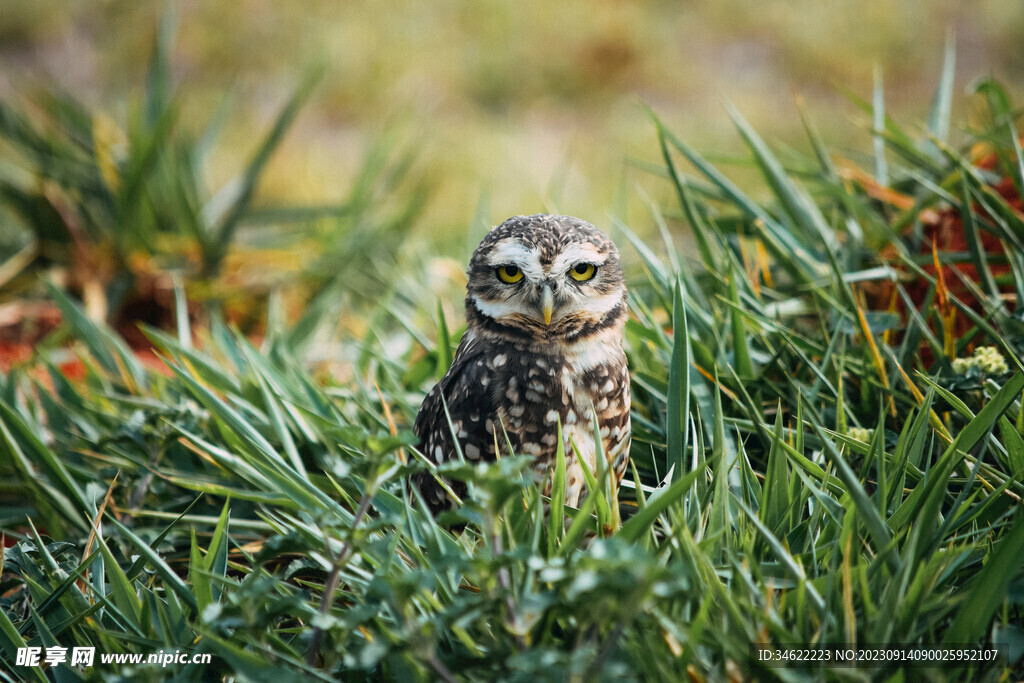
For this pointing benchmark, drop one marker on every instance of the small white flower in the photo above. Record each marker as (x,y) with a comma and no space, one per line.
(990,360)
(860,433)
(962,365)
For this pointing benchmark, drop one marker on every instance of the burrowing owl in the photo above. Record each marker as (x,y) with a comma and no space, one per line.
(545,310)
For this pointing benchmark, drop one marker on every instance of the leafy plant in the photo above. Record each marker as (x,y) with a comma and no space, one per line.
(116,213)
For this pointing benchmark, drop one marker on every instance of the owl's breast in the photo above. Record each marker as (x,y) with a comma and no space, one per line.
(536,388)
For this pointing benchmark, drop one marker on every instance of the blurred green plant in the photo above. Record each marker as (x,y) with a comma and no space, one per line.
(114,213)
(250,512)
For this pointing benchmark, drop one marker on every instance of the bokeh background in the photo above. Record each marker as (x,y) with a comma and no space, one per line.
(513,107)
(429,122)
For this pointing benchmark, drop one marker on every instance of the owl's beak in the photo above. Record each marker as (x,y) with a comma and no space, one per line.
(547,303)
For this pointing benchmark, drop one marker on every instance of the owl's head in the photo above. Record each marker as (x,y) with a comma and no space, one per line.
(546,278)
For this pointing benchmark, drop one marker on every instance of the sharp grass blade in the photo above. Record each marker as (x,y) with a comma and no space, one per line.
(642,522)
(989,588)
(942,102)
(153,558)
(678,407)
(794,198)
(878,122)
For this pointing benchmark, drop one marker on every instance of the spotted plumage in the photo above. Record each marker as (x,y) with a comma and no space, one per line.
(545,309)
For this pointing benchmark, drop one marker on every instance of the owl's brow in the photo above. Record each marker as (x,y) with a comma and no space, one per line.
(578,253)
(511,251)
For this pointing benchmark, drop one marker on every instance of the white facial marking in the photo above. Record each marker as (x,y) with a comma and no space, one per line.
(512,251)
(577,253)
(496,310)
(599,305)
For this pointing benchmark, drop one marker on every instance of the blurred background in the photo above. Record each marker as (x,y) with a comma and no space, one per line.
(524,106)
(475,110)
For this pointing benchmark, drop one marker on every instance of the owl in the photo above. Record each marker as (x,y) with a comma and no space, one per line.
(545,311)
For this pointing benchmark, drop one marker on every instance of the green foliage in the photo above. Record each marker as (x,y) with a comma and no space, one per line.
(114,209)
(262,516)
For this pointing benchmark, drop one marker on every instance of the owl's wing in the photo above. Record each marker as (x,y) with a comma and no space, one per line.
(467,391)
(616,419)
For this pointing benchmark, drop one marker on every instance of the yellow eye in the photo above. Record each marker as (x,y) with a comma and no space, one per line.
(510,274)
(582,272)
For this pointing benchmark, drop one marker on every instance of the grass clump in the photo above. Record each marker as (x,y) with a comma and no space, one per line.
(808,466)
(120,210)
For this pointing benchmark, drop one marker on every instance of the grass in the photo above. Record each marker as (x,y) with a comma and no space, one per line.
(123,211)
(519,109)
(810,463)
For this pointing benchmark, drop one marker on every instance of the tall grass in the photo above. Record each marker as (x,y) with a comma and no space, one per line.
(810,464)
(118,207)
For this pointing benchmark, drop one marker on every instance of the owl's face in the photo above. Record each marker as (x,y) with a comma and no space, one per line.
(546,278)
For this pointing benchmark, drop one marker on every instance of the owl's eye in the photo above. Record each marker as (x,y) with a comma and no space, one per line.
(582,272)
(510,274)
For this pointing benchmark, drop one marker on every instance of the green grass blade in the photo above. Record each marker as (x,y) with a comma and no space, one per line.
(791,255)
(775,501)
(989,588)
(719,519)
(678,407)
(69,497)
(444,343)
(197,576)
(556,526)
(153,558)
(242,194)
(111,352)
(641,523)
(878,125)
(740,346)
(880,532)
(974,243)
(796,200)
(969,436)
(942,102)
